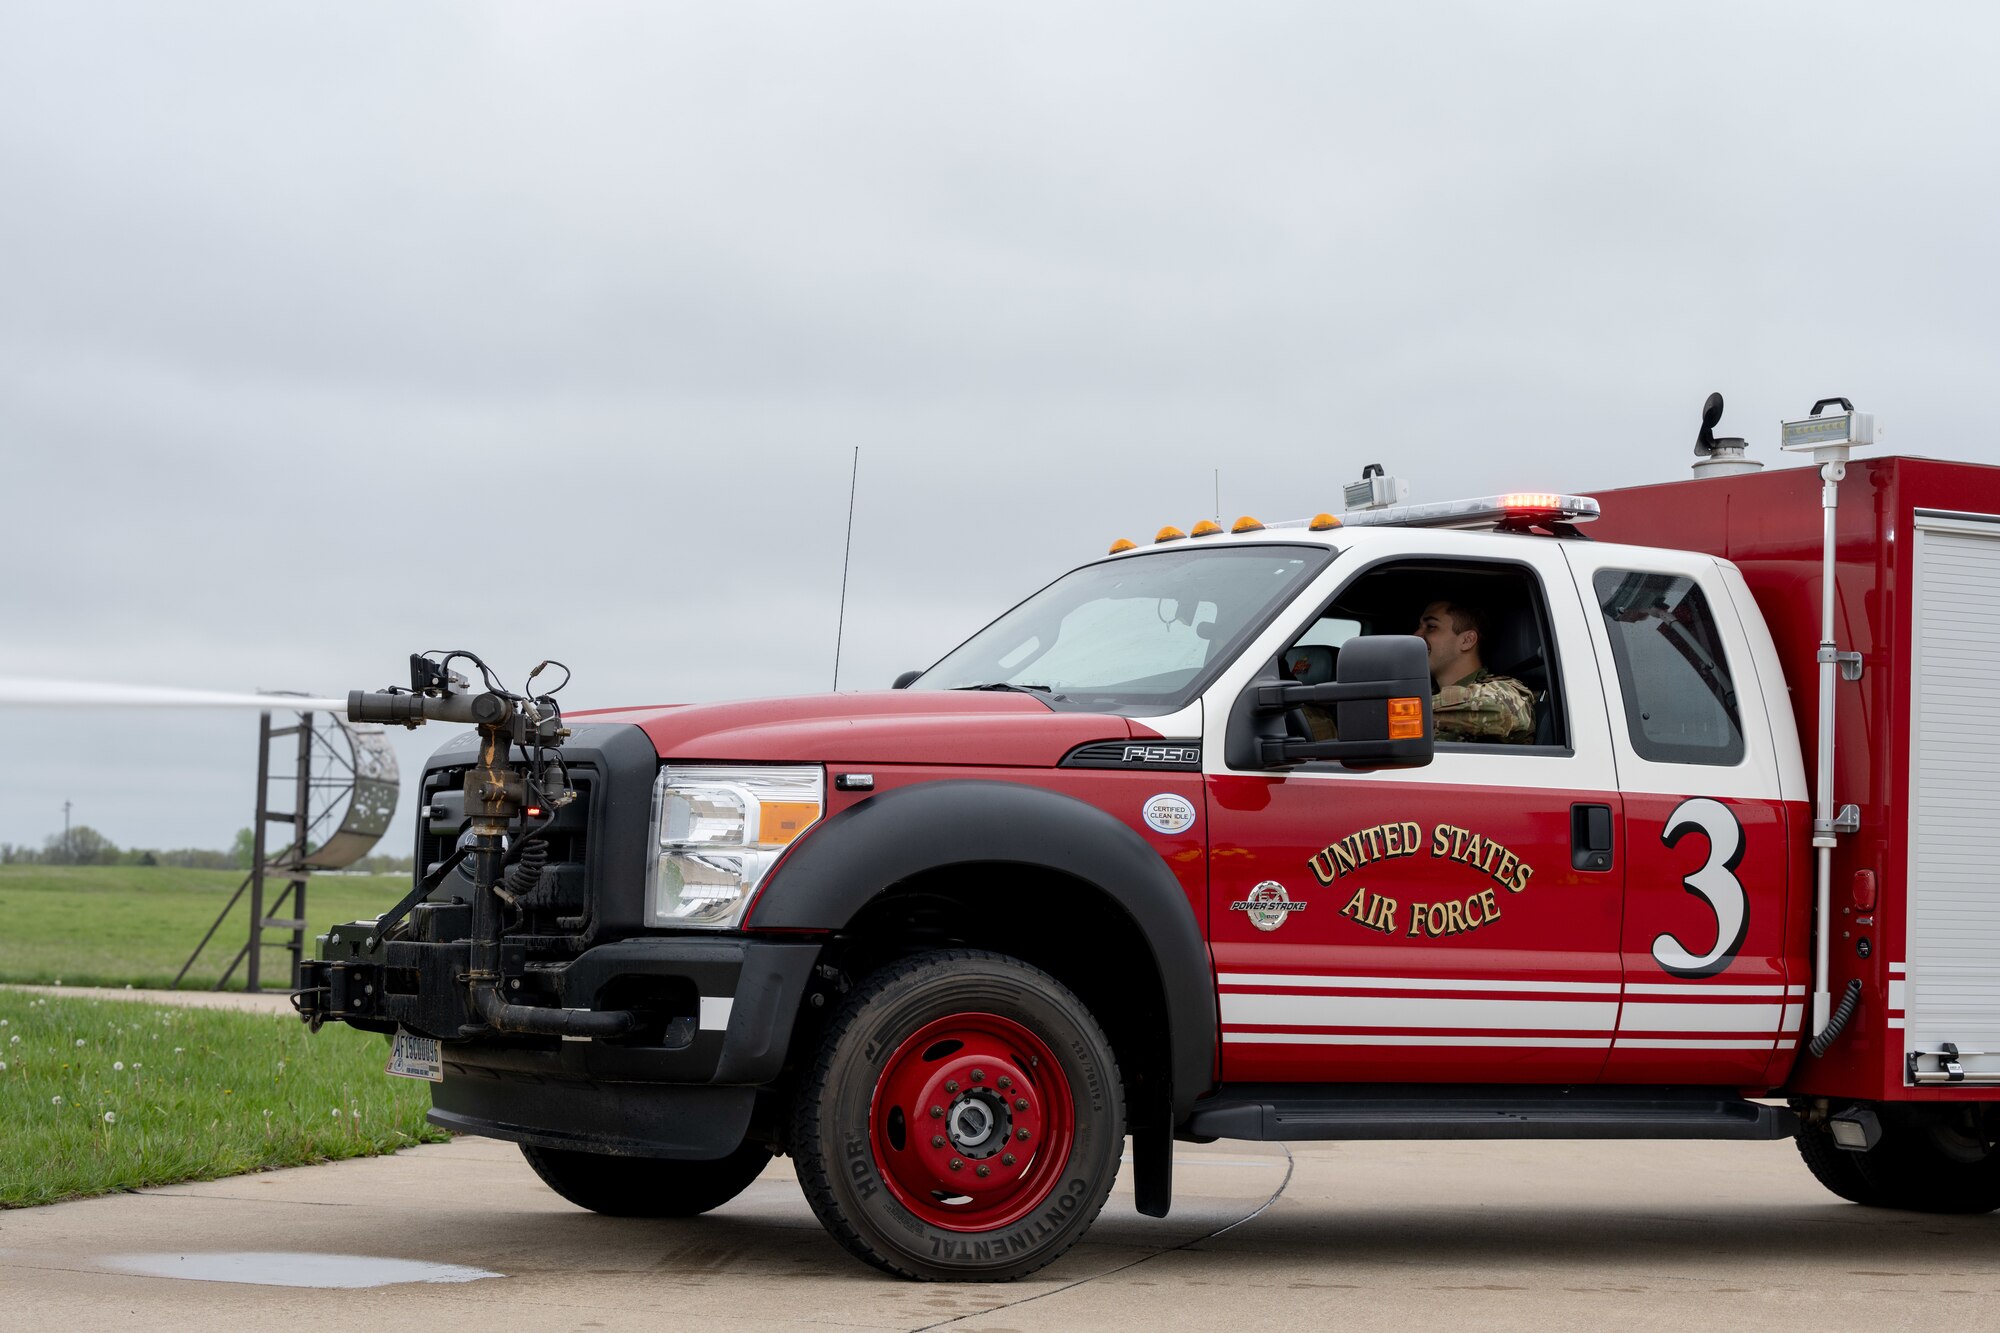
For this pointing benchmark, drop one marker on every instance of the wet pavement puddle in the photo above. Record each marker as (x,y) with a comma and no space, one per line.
(282,1269)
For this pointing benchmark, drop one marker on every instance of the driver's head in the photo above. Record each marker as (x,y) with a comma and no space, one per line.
(1452,632)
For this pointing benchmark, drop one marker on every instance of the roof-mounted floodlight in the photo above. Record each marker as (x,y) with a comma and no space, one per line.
(1375,490)
(1845,428)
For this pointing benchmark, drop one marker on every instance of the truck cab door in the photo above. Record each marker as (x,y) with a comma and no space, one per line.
(1457,922)
(1710,995)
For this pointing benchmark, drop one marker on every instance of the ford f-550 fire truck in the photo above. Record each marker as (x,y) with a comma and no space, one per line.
(1170,850)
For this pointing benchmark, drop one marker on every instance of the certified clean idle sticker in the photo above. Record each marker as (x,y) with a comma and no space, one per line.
(1168,813)
(1268,905)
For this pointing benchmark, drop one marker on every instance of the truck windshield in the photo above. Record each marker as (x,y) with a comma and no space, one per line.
(1143,634)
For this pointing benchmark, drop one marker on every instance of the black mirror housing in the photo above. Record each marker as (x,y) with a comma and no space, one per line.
(1381,699)
(903,681)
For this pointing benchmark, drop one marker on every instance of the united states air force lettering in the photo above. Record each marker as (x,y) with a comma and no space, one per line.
(1431,919)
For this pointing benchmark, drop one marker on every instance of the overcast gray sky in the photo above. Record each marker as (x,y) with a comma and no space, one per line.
(333,332)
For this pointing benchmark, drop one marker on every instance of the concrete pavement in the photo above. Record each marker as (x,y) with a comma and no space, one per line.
(1529,1235)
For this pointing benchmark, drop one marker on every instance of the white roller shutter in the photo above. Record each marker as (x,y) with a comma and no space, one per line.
(1952,983)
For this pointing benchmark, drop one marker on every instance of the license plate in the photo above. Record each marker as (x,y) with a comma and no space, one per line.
(415,1057)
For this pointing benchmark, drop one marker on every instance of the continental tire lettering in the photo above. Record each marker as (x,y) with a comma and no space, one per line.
(1023,1238)
(1715,883)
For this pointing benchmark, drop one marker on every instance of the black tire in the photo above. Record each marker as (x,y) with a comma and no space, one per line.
(1837,1169)
(1909,1171)
(868,1170)
(1906,1170)
(645,1186)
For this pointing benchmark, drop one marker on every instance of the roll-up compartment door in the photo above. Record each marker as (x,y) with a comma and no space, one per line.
(1950,987)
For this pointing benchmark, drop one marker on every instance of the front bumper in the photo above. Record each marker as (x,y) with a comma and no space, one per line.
(719,1019)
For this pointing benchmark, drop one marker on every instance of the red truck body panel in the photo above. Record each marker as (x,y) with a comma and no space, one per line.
(1770,524)
(999,728)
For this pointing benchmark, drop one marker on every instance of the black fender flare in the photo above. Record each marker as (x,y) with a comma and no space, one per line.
(839,867)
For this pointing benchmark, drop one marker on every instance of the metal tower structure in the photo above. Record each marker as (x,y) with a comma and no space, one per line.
(337,785)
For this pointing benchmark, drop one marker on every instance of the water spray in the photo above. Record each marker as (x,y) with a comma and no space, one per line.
(26,693)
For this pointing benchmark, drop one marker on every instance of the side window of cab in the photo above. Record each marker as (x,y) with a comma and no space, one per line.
(1679,696)
(1488,628)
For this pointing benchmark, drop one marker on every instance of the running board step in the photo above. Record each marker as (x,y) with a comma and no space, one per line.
(1271,1112)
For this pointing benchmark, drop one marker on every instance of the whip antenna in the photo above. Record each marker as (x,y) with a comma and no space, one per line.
(841,623)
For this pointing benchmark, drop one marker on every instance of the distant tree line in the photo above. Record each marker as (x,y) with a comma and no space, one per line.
(85,846)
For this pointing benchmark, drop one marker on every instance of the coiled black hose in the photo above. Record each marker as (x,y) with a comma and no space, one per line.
(1842,1012)
(526,872)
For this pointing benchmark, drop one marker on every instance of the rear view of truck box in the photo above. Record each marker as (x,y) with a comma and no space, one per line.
(1915,906)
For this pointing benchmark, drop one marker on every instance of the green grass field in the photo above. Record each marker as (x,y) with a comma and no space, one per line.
(136,925)
(104,1095)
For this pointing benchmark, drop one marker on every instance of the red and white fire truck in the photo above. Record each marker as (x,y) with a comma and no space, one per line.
(1170,850)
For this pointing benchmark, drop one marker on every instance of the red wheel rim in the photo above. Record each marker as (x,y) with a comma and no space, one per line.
(985,1093)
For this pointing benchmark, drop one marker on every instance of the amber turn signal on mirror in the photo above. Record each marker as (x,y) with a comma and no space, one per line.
(1406,719)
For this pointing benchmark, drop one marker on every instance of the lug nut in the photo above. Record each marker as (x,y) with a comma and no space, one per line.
(1005,1083)
(937,1140)
(985,1171)
(1021,1134)
(1020,1103)
(937,1113)
(951,1085)
(978,1076)
(1007,1159)
(957,1164)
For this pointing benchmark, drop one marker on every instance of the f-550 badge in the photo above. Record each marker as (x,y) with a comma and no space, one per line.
(1268,905)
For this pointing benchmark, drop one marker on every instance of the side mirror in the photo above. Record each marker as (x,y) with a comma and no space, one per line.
(903,681)
(1381,702)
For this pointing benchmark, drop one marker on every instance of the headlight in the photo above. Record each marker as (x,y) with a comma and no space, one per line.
(717,830)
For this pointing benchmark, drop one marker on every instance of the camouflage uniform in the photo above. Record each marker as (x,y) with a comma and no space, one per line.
(1484,707)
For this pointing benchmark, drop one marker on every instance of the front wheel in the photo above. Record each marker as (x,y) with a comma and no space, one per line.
(963,1121)
(645,1186)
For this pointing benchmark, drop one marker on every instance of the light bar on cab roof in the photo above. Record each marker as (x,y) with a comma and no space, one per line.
(1517,506)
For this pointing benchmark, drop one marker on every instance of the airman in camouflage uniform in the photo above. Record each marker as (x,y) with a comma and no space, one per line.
(1472,703)
(1484,707)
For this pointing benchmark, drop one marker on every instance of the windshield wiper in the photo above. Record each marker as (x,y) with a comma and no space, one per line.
(1018,689)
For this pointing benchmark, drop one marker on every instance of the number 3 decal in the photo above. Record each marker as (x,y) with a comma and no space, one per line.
(1715,883)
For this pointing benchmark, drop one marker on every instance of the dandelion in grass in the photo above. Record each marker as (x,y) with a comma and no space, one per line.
(79,1041)
(117,1066)
(110,1117)
(56,1100)
(3,1066)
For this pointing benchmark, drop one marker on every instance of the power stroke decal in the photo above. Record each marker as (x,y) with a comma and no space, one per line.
(1268,905)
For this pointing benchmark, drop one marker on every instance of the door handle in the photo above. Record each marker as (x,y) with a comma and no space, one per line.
(1590,837)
